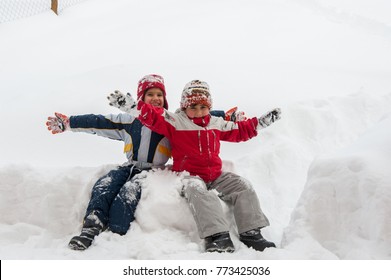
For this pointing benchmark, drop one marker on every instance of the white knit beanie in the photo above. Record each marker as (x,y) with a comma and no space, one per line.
(196,92)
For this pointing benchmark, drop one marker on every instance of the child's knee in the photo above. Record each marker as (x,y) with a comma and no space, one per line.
(120,229)
(193,185)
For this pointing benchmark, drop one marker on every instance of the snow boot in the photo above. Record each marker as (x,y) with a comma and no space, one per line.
(92,227)
(253,238)
(219,242)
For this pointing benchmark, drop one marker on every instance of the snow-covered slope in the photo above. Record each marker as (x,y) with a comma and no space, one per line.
(341,211)
(320,172)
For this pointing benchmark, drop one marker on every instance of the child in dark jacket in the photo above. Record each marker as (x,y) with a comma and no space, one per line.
(113,202)
(195,138)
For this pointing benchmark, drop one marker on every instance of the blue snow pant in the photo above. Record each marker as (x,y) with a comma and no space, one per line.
(114,198)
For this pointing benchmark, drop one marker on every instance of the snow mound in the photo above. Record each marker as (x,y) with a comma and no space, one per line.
(321,174)
(346,201)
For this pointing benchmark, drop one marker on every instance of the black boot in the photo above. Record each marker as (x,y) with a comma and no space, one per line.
(253,238)
(219,242)
(92,227)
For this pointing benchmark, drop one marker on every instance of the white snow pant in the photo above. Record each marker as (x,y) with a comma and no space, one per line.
(208,212)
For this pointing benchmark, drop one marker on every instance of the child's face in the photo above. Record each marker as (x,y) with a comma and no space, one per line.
(155,97)
(197,111)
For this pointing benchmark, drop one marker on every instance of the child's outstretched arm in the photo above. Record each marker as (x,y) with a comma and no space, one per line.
(58,124)
(115,127)
(245,130)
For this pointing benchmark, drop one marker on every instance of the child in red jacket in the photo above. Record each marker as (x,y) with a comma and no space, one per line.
(195,138)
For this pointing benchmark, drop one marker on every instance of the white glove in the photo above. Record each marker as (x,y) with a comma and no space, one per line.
(269,118)
(125,103)
(58,124)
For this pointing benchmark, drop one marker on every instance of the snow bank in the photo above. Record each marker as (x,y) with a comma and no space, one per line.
(346,202)
(326,197)
(338,212)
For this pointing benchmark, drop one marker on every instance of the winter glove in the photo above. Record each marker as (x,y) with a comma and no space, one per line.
(58,124)
(125,103)
(269,118)
(234,115)
(143,109)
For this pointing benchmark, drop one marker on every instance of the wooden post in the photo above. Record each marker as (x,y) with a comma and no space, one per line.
(55,6)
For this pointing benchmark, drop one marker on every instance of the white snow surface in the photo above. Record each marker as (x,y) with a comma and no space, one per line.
(321,172)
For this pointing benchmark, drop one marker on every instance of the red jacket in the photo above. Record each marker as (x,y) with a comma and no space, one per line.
(195,148)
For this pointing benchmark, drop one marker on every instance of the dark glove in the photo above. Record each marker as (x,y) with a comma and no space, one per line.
(269,118)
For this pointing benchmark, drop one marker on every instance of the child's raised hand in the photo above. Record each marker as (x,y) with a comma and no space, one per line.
(58,124)
(234,115)
(269,118)
(125,103)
